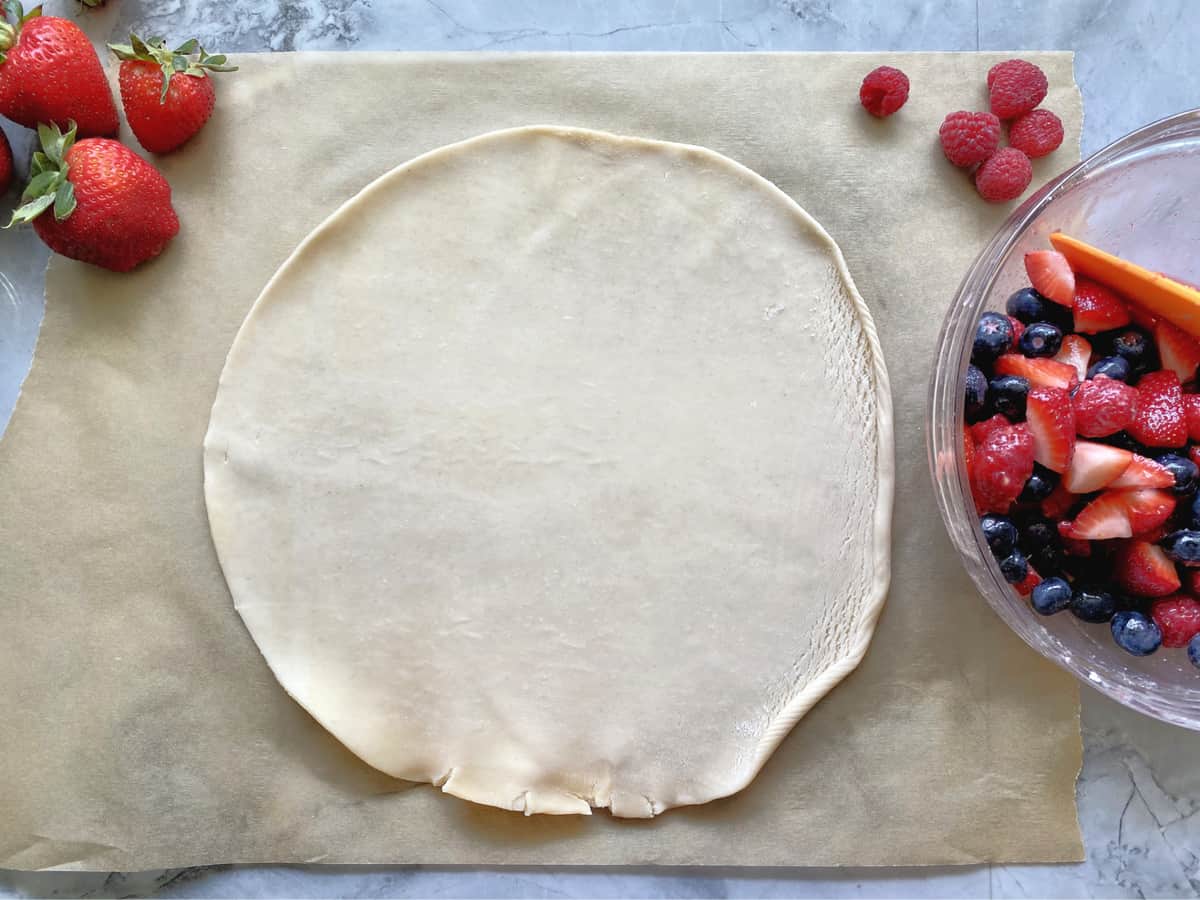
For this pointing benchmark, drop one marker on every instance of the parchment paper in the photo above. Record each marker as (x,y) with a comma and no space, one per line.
(141,728)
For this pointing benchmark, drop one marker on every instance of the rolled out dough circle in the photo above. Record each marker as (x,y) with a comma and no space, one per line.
(555,469)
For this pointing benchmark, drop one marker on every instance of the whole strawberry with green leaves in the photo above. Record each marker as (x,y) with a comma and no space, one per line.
(167,94)
(49,72)
(97,201)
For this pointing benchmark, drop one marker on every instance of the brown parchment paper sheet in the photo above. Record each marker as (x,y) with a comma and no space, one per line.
(139,726)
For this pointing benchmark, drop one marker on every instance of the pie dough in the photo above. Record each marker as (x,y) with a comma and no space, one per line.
(555,469)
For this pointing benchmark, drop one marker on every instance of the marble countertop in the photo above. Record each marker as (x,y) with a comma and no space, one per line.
(1139,791)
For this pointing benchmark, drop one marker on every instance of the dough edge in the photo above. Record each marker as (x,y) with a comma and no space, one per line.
(545,800)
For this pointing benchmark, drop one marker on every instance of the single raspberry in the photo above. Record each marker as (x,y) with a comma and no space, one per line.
(1036,133)
(969,138)
(883,91)
(1178,618)
(1015,87)
(1004,176)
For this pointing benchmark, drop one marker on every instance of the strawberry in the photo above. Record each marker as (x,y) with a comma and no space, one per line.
(1094,466)
(1104,518)
(1152,535)
(1103,406)
(1052,422)
(981,430)
(1076,547)
(1191,415)
(1142,316)
(1026,585)
(1043,372)
(1179,351)
(1003,463)
(6,164)
(969,453)
(1160,420)
(1077,352)
(111,207)
(1051,276)
(1097,308)
(1148,509)
(167,94)
(1143,473)
(1018,329)
(1191,579)
(49,72)
(1178,618)
(1119,514)
(1061,501)
(1144,570)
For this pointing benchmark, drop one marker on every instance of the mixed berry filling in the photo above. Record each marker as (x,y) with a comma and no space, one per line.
(1081,442)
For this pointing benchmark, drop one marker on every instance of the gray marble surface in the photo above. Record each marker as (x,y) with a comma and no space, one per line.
(1139,792)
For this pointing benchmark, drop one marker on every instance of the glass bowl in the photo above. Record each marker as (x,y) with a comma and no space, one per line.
(1140,199)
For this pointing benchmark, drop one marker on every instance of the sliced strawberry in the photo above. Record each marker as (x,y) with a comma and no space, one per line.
(981,430)
(1142,316)
(1042,372)
(1051,420)
(1051,276)
(1191,415)
(1178,350)
(968,451)
(1145,570)
(1077,352)
(1097,308)
(1003,463)
(1028,583)
(1103,406)
(1194,454)
(1143,473)
(1148,508)
(1178,618)
(1103,519)
(1160,420)
(1061,501)
(1094,466)
(1153,536)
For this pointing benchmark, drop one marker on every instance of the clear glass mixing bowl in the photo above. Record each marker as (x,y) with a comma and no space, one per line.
(1140,199)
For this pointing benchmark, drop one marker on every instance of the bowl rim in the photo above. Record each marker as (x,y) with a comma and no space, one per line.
(944,444)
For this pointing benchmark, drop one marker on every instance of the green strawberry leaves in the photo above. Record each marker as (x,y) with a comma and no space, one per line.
(16,16)
(48,185)
(189,58)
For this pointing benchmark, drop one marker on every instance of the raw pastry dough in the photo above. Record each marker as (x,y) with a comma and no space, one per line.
(555,469)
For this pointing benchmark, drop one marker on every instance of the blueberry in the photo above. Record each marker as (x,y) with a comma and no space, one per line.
(1000,534)
(1027,305)
(1093,604)
(1037,532)
(976,401)
(1008,394)
(1183,469)
(993,336)
(1194,651)
(1136,633)
(1094,569)
(1115,367)
(1049,561)
(1014,567)
(1132,345)
(1051,596)
(1183,546)
(1039,486)
(1194,520)
(1040,339)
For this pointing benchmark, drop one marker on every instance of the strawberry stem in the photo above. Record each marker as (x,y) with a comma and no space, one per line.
(189,58)
(48,185)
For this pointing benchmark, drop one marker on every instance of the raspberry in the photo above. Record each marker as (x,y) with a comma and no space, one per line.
(1036,133)
(1004,176)
(1103,406)
(969,138)
(1015,87)
(1178,618)
(883,91)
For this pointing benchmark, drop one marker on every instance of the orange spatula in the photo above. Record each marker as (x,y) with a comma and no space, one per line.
(1177,303)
